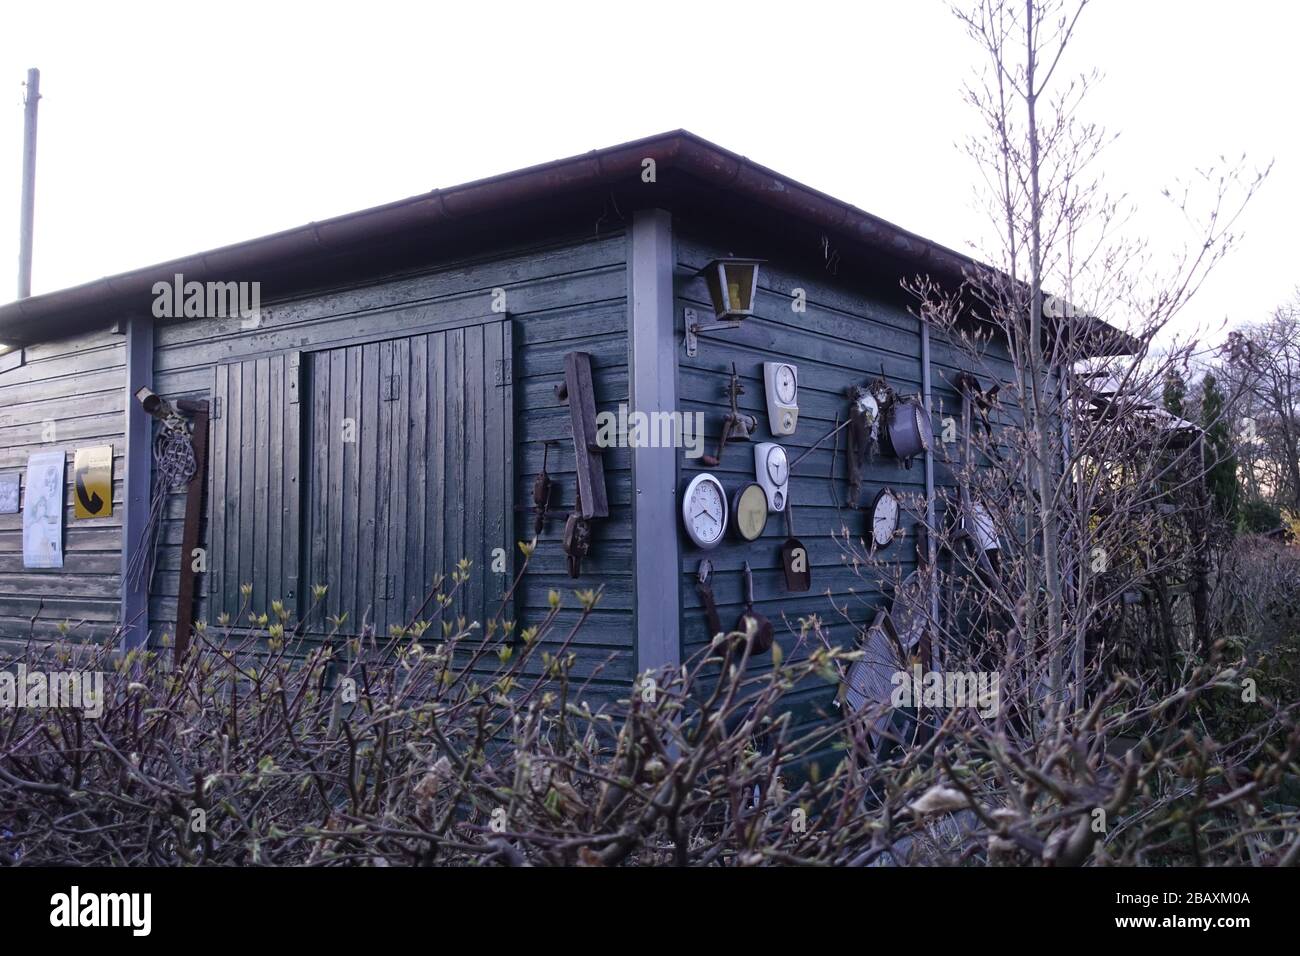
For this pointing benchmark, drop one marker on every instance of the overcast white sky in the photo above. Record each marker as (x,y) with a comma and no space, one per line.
(172,128)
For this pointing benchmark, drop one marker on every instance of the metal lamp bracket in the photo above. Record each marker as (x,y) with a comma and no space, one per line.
(694,329)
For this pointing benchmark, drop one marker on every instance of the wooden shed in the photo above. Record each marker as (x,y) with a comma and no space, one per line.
(385,413)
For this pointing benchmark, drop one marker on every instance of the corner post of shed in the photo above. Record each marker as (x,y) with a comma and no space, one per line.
(652,387)
(139,474)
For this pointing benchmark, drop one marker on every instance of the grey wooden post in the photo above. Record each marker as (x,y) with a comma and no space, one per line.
(139,477)
(652,378)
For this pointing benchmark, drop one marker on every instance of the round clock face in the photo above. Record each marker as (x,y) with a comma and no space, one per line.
(749,512)
(704,510)
(785,385)
(777,469)
(884,518)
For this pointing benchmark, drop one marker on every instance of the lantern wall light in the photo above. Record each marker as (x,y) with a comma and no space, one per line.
(733,287)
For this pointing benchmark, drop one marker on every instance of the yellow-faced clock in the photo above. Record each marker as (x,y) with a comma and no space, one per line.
(749,511)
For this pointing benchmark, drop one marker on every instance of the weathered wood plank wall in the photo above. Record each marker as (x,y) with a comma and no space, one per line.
(560,296)
(847,335)
(76,386)
(842,339)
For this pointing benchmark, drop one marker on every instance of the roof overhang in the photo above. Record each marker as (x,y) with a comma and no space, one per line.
(678,156)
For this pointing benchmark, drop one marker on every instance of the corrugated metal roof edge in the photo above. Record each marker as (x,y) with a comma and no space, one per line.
(28,320)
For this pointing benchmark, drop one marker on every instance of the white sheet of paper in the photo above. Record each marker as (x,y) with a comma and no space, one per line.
(43,511)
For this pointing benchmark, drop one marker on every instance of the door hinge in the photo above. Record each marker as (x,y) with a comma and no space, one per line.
(392,386)
(216,408)
(502,372)
(295,376)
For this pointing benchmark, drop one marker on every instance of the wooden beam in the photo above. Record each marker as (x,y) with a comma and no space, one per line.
(581,396)
(138,480)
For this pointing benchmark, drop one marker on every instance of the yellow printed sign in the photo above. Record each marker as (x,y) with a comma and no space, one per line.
(92,482)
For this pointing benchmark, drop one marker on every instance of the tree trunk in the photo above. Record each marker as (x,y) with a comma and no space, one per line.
(1039,412)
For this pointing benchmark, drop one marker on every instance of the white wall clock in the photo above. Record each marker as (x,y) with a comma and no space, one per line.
(704,510)
(781,381)
(884,518)
(773,473)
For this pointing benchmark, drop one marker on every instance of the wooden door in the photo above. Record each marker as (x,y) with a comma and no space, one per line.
(253,532)
(408,468)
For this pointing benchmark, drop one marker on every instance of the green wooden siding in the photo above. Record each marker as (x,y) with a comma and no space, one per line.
(561,296)
(76,385)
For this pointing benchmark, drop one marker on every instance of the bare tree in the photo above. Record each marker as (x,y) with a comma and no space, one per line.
(1095,465)
(1262,361)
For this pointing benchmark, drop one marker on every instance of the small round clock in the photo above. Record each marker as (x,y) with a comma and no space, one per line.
(777,467)
(776,472)
(704,510)
(786,384)
(884,518)
(749,511)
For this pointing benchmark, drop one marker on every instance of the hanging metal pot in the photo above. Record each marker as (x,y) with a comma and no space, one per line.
(908,428)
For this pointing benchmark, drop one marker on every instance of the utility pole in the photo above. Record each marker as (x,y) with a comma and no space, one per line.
(28,213)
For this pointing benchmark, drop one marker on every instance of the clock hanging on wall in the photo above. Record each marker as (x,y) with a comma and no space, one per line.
(773,472)
(781,380)
(884,518)
(704,510)
(749,511)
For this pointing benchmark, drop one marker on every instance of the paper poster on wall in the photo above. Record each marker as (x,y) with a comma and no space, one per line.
(9,494)
(43,511)
(92,482)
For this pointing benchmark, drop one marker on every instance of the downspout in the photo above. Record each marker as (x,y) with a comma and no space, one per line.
(931,549)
